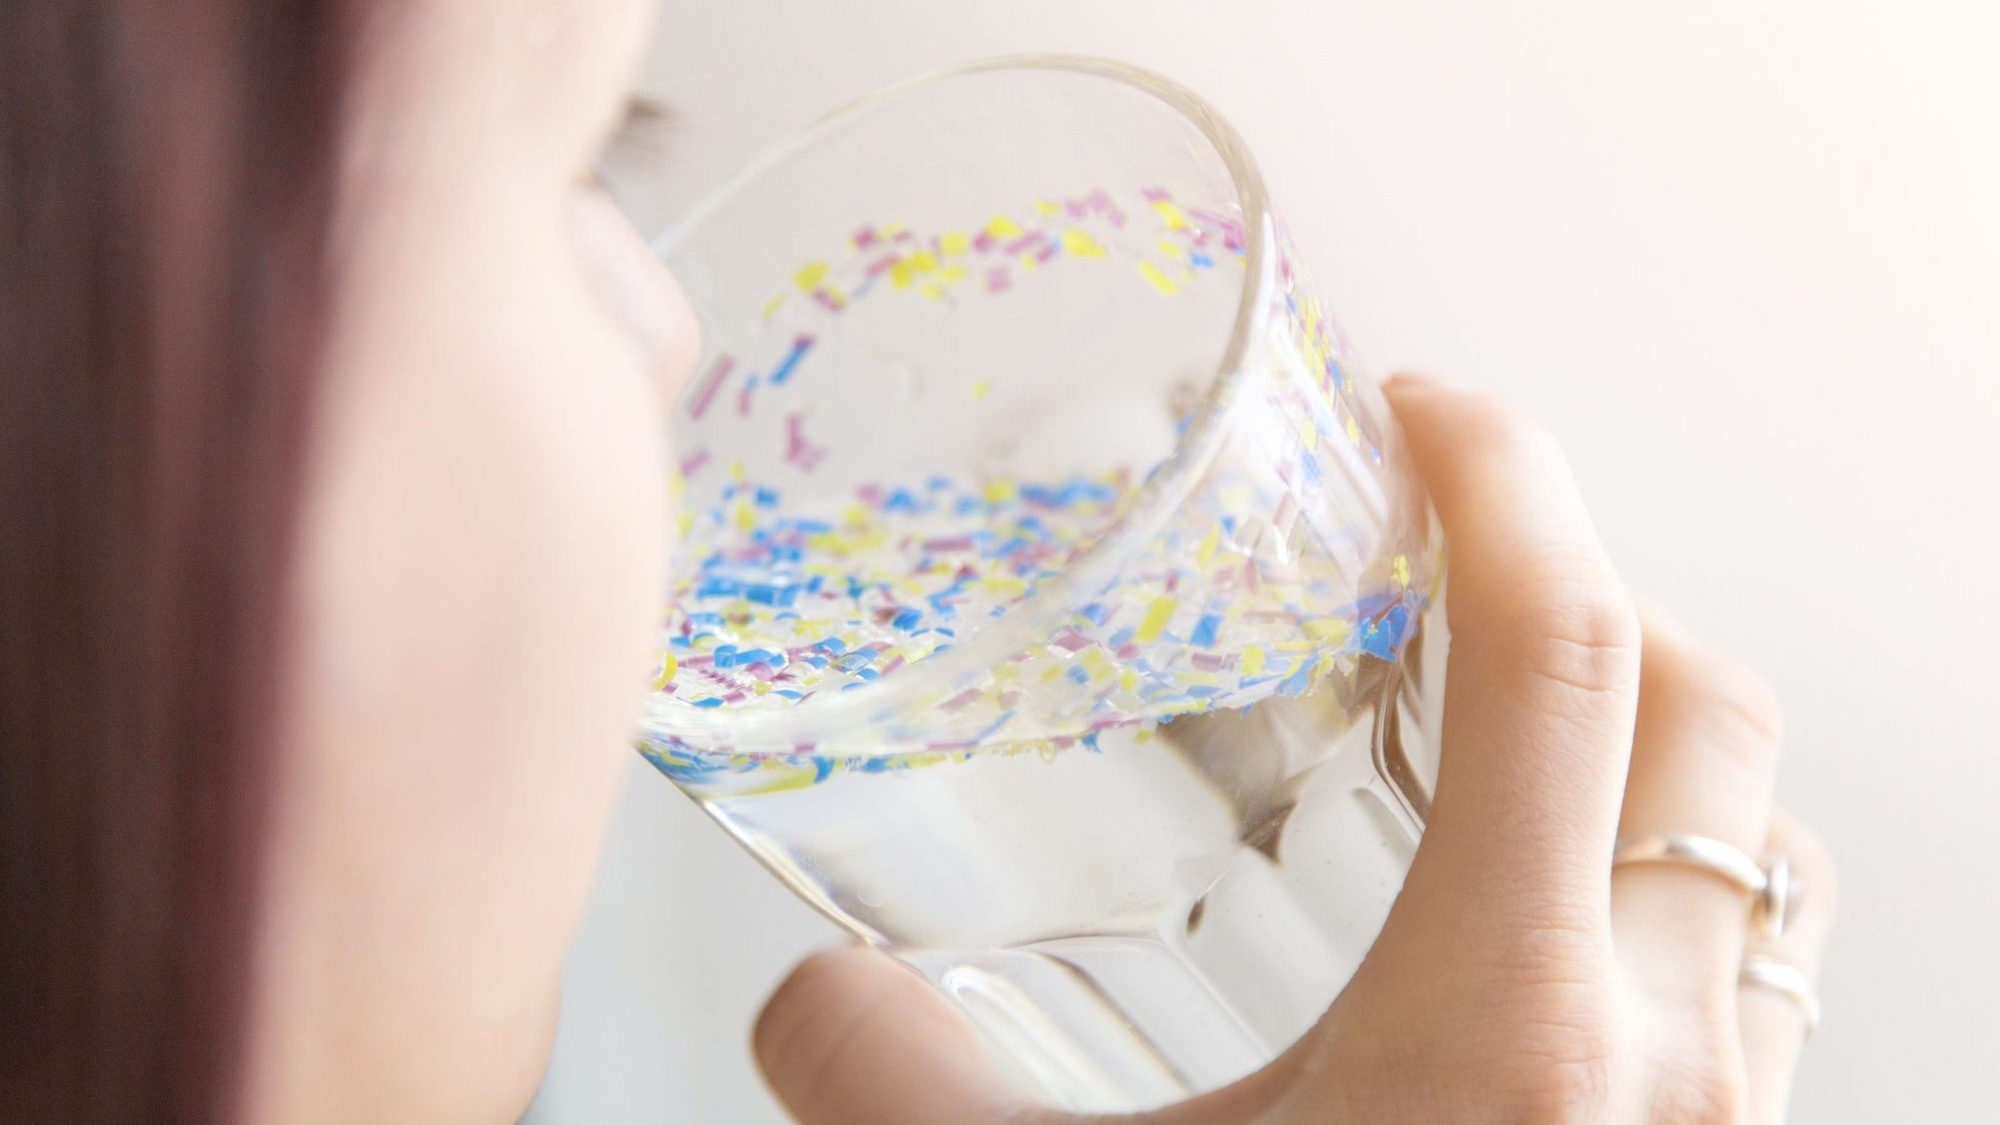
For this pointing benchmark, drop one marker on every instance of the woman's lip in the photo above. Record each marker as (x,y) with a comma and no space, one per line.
(636,288)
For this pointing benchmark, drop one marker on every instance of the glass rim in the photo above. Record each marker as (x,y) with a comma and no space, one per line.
(800,725)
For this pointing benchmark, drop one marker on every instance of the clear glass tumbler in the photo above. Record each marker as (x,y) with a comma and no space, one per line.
(1051,602)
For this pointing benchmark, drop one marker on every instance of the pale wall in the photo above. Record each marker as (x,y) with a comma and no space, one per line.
(1740,254)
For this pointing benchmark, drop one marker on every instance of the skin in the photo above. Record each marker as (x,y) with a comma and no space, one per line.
(480,550)
(479,554)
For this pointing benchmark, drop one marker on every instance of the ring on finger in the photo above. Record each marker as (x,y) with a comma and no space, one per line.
(1775,893)
(1783,979)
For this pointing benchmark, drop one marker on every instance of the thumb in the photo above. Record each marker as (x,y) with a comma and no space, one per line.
(853,1036)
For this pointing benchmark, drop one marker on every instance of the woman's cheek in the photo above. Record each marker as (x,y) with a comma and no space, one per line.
(605,527)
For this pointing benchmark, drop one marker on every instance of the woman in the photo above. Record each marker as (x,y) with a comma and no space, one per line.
(331,479)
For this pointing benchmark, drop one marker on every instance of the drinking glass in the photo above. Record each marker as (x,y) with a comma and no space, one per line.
(1053,600)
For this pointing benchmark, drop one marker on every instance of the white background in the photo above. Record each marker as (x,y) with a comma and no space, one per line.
(1740,254)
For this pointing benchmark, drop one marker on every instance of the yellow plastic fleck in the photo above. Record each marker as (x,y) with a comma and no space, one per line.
(1401,571)
(1170,248)
(787,780)
(1001,490)
(811,274)
(1205,554)
(980,389)
(771,306)
(1000,226)
(1006,587)
(1046,207)
(1155,621)
(901,273)
(1094,662)
(1175,218)
(1076,241)
(667,669)
(1353,433)
(1328,630)
(1253,661)
(954,242)
(1159,280)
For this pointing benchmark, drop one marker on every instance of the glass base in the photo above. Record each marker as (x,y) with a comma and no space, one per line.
(1110,1023)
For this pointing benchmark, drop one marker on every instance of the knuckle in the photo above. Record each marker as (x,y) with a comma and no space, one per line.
(1703,1107)
(1545,950)
(1540,1049)
(1734,701)
(1704,1086)
(1566,1089)
(1559,1059)
(1747,703)
(1574,624)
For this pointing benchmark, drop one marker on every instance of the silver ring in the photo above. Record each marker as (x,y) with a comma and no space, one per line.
(1771,885)
(1786,980)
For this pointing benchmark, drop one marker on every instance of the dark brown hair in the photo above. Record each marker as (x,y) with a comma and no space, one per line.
(167,173)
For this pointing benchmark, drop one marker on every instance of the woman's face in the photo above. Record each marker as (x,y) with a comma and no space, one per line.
(480,549)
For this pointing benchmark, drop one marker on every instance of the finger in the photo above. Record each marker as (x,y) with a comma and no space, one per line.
(854,1037)
(1703,758)
(1542,680)
(1772,1027)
